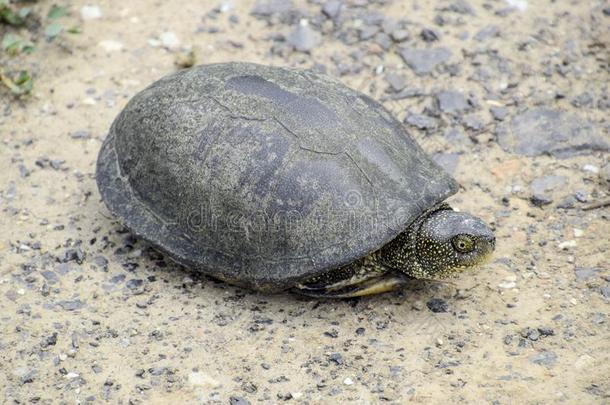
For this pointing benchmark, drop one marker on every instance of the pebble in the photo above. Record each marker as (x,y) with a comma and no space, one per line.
(448,161)
(429,35)
(111,45)
(437,305)
(421,121)
(487,32)
(424,61)
(396,81)
(499,113)
(267,8)
(544,357)
(542,130)
(332,8)
(348,381)
(89,12)
(169,40)
(451,102)
(303,38)
(584,273)
(507,285)
(238,401)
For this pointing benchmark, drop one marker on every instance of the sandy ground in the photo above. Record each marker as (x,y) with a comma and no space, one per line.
(89,314)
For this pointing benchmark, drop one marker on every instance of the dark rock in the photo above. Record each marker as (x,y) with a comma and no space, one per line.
(437,305)
(336,358)
(238,401)
(544,358)
(73,254)
(332,8)
(134,283)
(546,331)
(451,102)
(540,200)
(429,35)
(424,61)
(487,32)
(421,121)
(448,161)
(544,131)
(303,38)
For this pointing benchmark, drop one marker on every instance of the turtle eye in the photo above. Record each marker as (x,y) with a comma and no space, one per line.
(463,243)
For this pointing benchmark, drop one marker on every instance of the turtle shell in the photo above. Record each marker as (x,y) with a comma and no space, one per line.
(263,176)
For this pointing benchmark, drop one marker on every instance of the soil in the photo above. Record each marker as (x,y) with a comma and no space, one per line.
(510,96)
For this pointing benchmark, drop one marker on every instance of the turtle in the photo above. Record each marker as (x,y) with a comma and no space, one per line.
(283,179)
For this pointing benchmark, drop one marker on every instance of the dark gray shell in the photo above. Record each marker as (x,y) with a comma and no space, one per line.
(263,176)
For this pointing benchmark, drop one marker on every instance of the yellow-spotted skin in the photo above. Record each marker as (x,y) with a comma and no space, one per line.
(439,244)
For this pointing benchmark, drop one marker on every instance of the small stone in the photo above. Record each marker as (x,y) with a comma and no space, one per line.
(238,401)
(567,244)
(71,305)
(448,161)
(348,381)
(169,40)
(451,102)
(332,8)
(437,305)
(336,358)
(584,273)
(487,32)
(399,35)
(541,131)
(303,38)
(421,121)
(397,82)
(473,122)
(544,358)
(267,8)
(89,12)
(499,113)
(429,35)
(544,184)
(424,61)
(507,285)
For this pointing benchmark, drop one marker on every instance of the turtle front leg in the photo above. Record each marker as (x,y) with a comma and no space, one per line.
(363,277)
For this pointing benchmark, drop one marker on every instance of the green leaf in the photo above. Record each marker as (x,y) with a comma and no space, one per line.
(10,17)
(74,30)
(57,12)
(19,86)
(53,30)
(11,43)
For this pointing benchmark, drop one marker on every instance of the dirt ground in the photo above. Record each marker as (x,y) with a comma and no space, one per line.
(517,110)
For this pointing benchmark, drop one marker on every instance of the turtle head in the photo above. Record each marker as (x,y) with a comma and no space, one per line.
(448,242)
(439,243)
